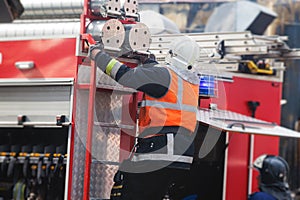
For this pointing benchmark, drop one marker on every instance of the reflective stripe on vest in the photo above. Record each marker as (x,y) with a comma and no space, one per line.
(174,106)
(169,156)
(165,113)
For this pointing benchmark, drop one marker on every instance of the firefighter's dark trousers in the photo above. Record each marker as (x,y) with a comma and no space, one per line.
(154,185)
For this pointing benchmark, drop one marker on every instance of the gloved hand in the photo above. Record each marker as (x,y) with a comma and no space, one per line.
(95,49)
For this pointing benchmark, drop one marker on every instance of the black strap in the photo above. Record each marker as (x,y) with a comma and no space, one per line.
(50,149)
(13,160)
(4,149)
(26,166)
(4,165)
(26,149)
(48,165)
(40,170)
(11,166)
(58,166)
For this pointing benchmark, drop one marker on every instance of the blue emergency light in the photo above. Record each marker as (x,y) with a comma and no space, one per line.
(207,86)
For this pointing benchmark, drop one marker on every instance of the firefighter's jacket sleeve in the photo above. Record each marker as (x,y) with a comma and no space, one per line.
(148,77)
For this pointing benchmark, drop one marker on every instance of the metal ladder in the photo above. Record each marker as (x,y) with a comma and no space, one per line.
(105,121)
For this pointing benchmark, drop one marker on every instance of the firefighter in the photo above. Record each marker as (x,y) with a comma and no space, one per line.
(272,179)
(167,120)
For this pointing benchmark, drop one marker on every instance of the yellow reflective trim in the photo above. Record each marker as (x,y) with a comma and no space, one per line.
(2,153)
(116,194)
(110,66)
(35,154)
(12,153)
(47,154)
(22,154)
(117,186)
(23,192)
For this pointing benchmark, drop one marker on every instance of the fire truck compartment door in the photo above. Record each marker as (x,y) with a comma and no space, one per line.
(39,102)
(233,122)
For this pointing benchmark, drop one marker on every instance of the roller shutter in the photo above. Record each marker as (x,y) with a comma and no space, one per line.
(44,102)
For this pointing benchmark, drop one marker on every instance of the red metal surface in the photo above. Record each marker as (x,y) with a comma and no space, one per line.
(262,145)
(129,118)
(89,38)
(49,55)
(92,91)
(237,167)
(268,93)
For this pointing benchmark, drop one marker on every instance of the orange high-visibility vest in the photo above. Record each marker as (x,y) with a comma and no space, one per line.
(177,107)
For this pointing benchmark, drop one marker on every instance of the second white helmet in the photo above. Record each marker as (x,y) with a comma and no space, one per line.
(183,53)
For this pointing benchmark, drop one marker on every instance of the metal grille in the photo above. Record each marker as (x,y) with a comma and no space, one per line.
(78,168)
(101,180)
(106,144)
(79,144)
(106,135)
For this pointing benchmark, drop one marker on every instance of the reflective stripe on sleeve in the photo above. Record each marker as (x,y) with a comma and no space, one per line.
(112,68)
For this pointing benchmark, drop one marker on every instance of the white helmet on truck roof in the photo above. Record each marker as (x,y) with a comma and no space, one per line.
(183,53)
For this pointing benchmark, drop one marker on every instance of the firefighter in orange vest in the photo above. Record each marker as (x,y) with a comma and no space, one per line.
(167,120)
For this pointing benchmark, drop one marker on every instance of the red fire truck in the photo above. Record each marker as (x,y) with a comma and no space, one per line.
(65,127)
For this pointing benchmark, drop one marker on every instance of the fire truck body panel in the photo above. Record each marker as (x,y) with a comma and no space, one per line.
(233,96)
(37,95)
(47,55)
(53,95)
(252,90)
(243,148)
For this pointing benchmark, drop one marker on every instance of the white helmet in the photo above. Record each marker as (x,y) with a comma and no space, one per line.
(183,53)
